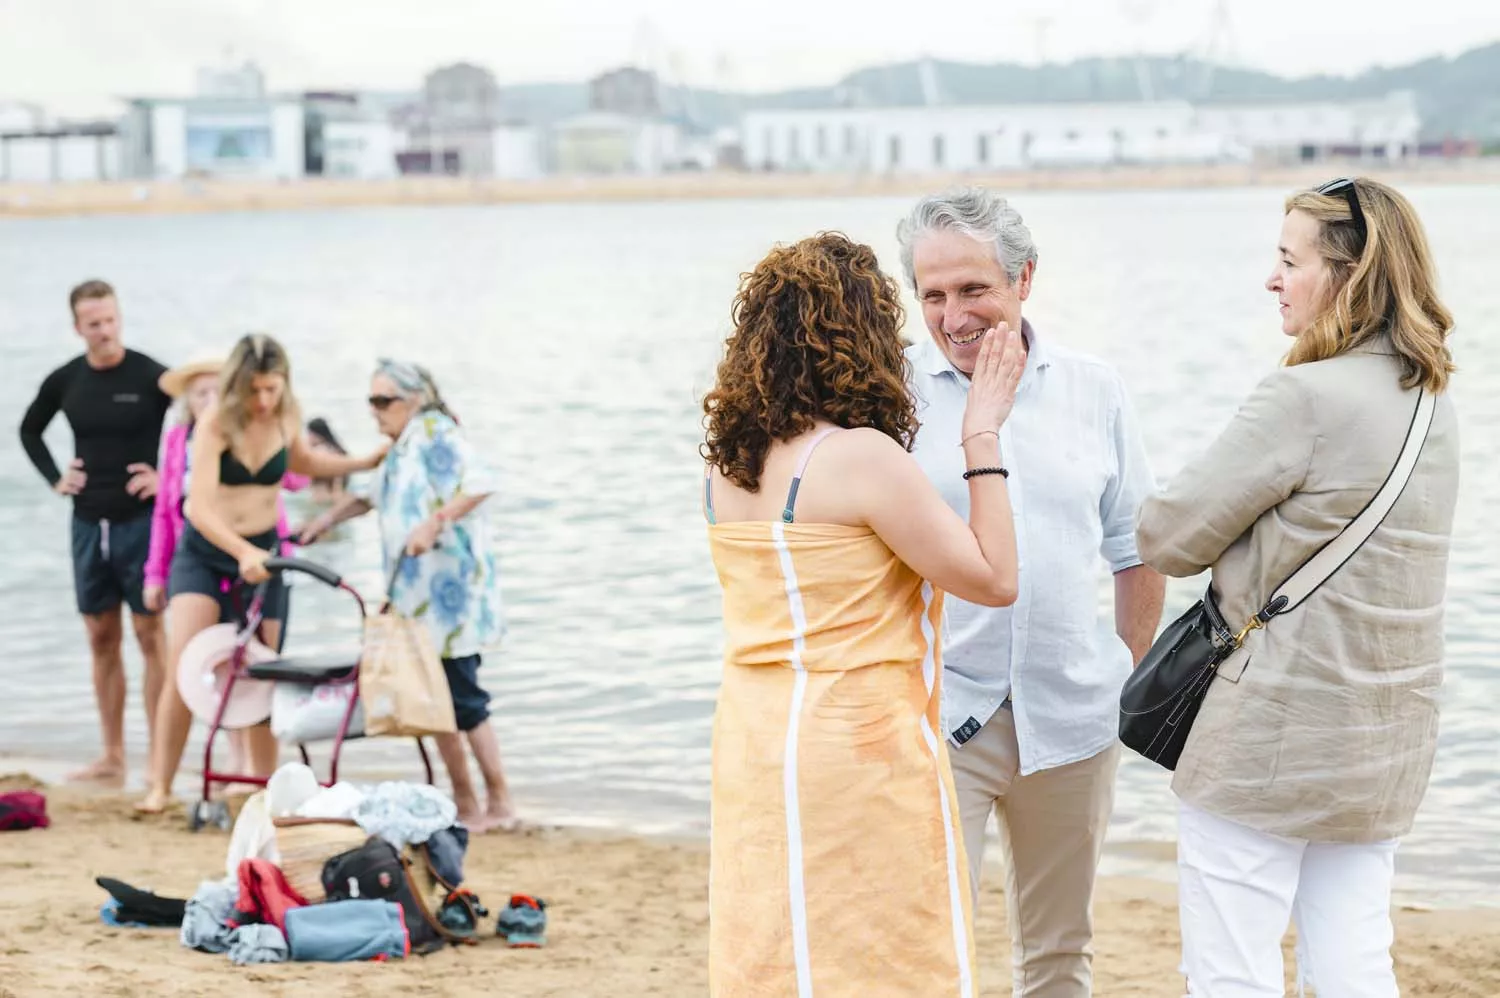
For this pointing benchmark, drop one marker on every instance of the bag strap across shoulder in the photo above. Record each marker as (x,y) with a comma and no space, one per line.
(1327,560)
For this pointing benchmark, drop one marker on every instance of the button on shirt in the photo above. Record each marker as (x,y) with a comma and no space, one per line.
(1078,475)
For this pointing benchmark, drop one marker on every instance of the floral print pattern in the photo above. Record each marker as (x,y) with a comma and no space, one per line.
(455,587)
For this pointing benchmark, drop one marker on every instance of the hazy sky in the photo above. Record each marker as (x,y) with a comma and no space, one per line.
(74,55)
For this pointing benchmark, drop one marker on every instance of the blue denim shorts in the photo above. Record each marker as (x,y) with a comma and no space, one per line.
(471,704)
(109,563)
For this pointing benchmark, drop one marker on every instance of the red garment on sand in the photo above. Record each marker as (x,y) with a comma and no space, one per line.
(265,895)
(21,810)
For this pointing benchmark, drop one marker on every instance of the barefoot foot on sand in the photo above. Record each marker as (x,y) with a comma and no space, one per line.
(100,769)
(153,803)
(501,817)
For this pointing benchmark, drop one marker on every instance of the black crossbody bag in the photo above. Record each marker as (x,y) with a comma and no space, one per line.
(1160,700)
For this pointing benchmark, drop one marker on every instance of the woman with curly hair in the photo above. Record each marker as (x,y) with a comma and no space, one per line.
(836,860)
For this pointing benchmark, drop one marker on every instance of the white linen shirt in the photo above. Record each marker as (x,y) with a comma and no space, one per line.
(1078,475)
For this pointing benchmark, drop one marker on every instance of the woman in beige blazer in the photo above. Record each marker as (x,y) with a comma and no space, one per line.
(1305,766)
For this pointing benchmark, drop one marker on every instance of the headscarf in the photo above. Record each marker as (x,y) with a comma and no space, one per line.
(415,382)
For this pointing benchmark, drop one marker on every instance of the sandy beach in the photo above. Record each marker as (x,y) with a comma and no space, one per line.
(139,197)
(628,916)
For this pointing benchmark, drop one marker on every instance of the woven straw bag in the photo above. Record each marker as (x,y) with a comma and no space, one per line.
(305,844)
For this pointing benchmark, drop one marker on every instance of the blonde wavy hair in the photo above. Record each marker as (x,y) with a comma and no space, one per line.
(1383,283)
(254,354)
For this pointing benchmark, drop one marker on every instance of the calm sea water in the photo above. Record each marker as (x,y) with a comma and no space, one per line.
(575,342)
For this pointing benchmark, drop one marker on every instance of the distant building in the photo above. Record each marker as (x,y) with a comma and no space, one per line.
(242,82)
(1382,128)
(958,138)
(231,128)
(961,138)
(519,152)
(601,142)
(349,135)
(171,138)
(728,149)
(462,94)
(452,129)
(628,91)
(626,131)
(16,116)
(59,154)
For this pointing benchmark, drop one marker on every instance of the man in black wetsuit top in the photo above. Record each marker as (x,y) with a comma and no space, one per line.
(112,402)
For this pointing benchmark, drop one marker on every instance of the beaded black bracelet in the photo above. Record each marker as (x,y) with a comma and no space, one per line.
(986,471)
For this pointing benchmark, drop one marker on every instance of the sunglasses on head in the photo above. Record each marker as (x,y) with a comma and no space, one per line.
(382,402)
(1345,187)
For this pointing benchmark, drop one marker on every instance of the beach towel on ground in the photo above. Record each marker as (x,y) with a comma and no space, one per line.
(348,930)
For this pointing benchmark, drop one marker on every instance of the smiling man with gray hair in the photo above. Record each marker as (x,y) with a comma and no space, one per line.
(1031,691)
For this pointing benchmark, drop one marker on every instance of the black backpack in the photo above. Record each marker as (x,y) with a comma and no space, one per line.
(377,870)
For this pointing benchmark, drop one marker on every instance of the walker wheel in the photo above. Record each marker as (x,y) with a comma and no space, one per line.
(207,812)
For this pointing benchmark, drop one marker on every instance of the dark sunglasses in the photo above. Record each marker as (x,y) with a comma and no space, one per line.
(380,403)
(1345,187)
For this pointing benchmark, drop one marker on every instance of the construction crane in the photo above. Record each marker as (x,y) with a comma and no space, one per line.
(1141,13)
(1218,49)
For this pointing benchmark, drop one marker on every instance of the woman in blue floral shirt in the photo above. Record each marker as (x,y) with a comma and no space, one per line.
(436,544)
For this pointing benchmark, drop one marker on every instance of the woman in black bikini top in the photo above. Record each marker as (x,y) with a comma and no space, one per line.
(241,449)
(232,472)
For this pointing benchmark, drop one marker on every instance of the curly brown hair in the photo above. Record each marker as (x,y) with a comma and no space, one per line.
(817,335)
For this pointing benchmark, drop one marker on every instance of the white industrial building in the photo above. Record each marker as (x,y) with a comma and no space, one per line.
(964,138)
(359,149)
(1384,128)
(604,142)
(519,153)
(34,151)
(17,116)
(173,138)
(230,128)
(974,138)
(349,135)
(60,155)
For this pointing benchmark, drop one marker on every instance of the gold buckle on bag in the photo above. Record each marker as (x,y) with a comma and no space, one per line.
(1254,625)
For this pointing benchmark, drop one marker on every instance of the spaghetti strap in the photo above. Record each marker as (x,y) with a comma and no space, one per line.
(791,495)
(708,494)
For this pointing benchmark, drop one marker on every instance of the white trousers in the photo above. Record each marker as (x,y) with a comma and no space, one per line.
(1238,888)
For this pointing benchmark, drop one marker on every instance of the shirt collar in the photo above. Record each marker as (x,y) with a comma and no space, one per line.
(932,361)
(1380,343)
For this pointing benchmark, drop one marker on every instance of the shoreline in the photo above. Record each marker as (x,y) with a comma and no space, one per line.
(197,196)
(627,910)
(1141,860)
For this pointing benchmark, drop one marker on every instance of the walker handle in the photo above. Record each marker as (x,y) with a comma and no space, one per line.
(325,575)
